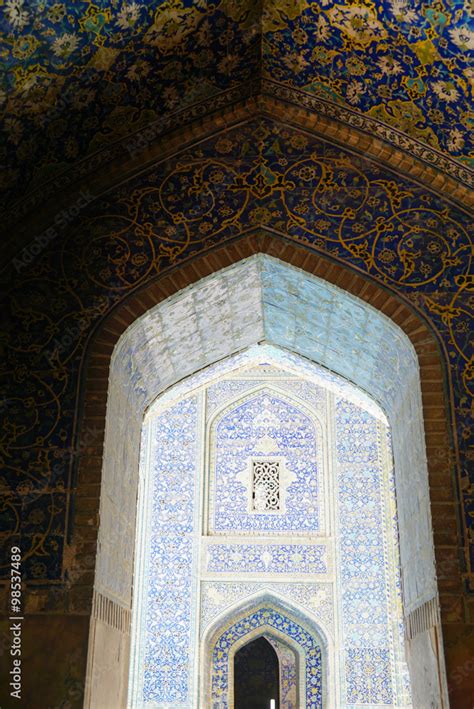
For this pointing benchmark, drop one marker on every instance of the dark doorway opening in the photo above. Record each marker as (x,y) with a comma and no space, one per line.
(256,676)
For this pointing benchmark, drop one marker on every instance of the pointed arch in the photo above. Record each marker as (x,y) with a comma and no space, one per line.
(439,451)
(244,613)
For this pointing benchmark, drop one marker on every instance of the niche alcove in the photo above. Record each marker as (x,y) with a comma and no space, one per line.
(262,302)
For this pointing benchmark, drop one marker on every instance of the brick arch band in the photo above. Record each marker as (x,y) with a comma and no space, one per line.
(110,618)
(147,147)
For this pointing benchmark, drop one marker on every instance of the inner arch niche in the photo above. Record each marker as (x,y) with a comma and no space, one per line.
(256,303)
(328,548)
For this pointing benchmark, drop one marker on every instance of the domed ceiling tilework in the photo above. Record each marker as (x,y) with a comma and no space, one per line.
(262,174)
(80,75)
(403,62)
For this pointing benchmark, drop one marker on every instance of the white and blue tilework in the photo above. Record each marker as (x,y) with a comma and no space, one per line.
(264,424)
(267,558)
(330,551)
(267,618)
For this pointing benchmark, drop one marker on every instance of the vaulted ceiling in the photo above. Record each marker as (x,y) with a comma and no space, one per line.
(141,138)
(81,76)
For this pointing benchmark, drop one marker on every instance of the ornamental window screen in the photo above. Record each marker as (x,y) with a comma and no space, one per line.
(266,486)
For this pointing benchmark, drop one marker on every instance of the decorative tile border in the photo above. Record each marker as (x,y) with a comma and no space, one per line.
(369,677)
(313,598)
(388,134)
(295,559)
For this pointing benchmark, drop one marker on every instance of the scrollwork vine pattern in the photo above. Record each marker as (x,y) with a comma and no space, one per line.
(261,175)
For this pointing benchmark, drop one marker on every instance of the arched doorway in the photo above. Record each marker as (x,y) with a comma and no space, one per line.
(300,654)
(256,676)
(387,389)
(208,535)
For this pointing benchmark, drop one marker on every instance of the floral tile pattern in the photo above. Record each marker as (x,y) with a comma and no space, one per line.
(167,644)
(271,619)
(368,673)
(397,233)
(315,598)
(288,673)
(269,426)
(81,76)
(242,584)
(366,602)
(268,558)
(406,63)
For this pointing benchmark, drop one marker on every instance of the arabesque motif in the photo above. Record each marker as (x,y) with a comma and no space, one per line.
(82,79)
(316,194)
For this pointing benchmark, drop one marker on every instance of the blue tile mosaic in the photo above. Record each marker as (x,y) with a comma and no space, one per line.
(244,433)
(363,587)
(270,619)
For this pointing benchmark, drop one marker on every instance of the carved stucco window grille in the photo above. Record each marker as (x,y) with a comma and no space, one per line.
(266,486)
